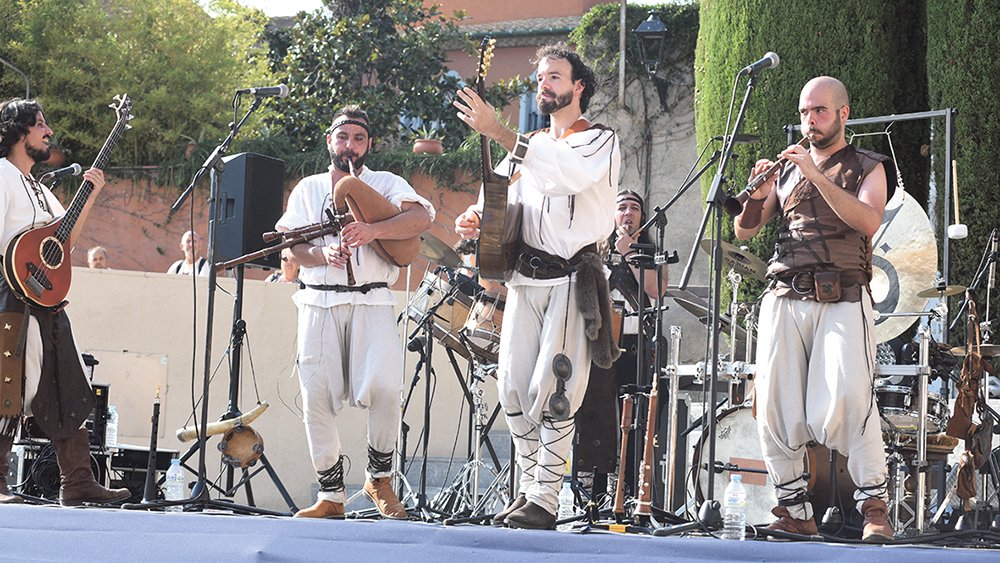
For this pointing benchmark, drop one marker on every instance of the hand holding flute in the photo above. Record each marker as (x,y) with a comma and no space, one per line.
(761,180)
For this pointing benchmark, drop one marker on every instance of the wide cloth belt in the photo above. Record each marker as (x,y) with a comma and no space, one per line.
(349,288)
(540,265)
(804,283)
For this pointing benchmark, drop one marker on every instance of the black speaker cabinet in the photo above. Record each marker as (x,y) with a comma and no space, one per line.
(250,200)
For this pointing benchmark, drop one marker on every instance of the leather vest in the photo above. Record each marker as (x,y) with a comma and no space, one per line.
(812,238)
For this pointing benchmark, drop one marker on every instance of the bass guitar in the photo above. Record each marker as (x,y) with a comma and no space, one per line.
(36,264)
(500,225)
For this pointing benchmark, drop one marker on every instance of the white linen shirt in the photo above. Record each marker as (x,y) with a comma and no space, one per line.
(306,206)
(585,165)
(20,203)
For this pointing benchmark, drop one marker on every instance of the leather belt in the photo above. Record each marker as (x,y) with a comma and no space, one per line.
(540,265)
(349,288)
(803,283)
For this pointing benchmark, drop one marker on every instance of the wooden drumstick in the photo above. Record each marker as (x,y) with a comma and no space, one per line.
(954,182)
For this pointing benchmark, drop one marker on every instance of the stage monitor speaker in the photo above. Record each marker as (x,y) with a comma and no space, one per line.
(251,191)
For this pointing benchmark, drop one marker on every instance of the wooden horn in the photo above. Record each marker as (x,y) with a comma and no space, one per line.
(189,433)
(369,206)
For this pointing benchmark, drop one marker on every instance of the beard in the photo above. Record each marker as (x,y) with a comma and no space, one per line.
(824,139)
(559,101)
(340,161)
(38,154)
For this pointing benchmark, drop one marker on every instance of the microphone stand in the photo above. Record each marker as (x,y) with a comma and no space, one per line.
(200,494)
(710,515)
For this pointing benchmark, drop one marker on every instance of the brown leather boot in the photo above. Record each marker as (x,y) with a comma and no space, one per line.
(877,528)
(788,524)
(78,483)
(380,492)
(5,495)
(323,509)
(532,517)
(518,502)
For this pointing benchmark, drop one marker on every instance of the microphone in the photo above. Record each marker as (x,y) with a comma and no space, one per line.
(71,170)
(770,60)
(280,91)
(740,139)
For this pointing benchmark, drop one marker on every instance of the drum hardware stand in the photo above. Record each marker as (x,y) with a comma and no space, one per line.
(200,494)
(415,343)
(462,496)
(833,518)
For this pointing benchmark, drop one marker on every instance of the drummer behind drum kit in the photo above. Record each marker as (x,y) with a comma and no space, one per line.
(914,419)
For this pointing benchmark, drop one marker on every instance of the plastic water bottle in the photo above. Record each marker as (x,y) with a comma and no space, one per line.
(734,517)
(567,502)
(176,484)
(111,429)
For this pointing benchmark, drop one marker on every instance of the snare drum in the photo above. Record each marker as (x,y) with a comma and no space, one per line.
(453,307)
(737,443)
(898,405)
(482,328)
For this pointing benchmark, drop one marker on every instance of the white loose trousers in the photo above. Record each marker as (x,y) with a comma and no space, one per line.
(540,322)
(815,374)
(348,353)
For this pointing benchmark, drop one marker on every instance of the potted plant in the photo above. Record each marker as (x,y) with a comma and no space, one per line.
(428,141)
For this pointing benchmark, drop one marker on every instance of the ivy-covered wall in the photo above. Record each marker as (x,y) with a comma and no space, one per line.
(876,48)
(963,73)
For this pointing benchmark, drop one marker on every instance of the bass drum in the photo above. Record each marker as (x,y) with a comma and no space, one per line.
(737,443)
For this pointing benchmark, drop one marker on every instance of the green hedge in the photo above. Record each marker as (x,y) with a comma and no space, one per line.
(963,72)
(876,48)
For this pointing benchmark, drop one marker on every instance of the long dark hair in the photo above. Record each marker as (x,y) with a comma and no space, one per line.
(17,117)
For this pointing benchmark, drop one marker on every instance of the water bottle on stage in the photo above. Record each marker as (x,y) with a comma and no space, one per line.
(735,510)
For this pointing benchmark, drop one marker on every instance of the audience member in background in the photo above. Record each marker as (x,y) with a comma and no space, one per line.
(289,272)
(193,261)
(97,258)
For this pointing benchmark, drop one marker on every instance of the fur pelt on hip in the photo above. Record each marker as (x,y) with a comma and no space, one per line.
(593,297)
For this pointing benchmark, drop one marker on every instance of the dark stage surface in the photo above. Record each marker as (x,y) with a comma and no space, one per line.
(33,533)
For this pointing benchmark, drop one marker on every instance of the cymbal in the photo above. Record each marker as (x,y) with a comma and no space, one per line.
(984,350)
(436,250)
(742,261)
(701,312)
(941,291)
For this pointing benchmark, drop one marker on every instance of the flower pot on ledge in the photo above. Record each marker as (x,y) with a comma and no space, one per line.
(428,146)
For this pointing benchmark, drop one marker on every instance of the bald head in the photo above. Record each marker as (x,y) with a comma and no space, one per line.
(827,86)
(823,111)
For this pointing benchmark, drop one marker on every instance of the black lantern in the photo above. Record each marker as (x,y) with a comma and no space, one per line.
(652,34)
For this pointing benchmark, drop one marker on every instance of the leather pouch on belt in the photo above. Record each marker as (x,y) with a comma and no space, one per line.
(827,286)
(11,366)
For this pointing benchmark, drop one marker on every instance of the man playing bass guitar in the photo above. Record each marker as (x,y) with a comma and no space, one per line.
(43,375)
(566,178)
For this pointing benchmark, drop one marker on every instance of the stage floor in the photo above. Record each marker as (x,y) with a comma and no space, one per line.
(32,533)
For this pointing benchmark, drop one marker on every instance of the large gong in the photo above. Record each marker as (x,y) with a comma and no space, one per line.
(904,261)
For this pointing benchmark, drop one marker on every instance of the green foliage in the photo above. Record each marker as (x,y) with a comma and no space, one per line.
(178,62)
(875,48)
(385,55)
(962,77)
(596,39)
